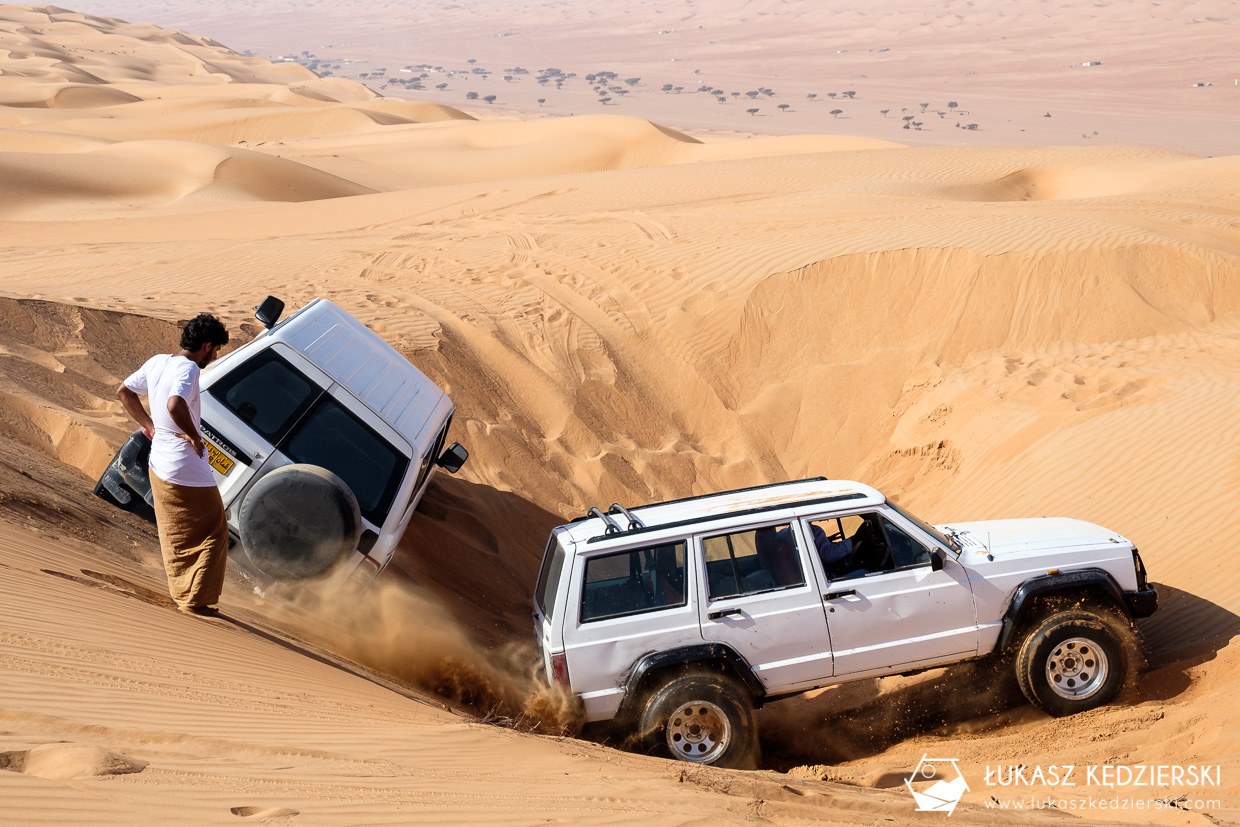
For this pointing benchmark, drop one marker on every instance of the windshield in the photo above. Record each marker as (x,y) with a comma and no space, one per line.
(931,530)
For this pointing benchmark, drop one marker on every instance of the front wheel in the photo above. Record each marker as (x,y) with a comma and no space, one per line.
(1073,661)
(702,717)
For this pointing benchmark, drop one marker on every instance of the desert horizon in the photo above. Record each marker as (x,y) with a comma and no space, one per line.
(656,297)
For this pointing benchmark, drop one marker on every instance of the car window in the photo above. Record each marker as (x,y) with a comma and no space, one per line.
(332,437)
(756,560)
(549,577)
(905,551)
(864,544)
(267,393)
(633,582)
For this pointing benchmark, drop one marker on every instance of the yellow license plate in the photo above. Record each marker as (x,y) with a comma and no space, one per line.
(218,461)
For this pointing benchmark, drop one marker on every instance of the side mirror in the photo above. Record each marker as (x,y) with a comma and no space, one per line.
(452,458)
(269,311)
(936,560)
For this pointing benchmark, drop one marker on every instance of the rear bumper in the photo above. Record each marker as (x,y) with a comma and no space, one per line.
(1142,603)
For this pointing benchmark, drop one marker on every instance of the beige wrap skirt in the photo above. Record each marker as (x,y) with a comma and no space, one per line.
(193,533)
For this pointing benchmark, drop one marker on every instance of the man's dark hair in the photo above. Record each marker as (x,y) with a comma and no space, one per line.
(203,329)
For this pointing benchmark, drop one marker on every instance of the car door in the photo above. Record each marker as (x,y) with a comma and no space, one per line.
(247,411)
(758,595)
(887,606)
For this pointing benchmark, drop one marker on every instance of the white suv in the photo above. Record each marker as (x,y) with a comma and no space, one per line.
(675,620)
(322,438)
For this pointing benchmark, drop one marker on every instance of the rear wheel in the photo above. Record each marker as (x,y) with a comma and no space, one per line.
(1073,661)
(703,717)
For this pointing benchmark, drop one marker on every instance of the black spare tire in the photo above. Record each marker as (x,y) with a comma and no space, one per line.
(298,521)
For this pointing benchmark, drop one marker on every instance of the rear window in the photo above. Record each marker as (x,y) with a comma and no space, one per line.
(633,582)
(332,437)
(267,393)
(549,578)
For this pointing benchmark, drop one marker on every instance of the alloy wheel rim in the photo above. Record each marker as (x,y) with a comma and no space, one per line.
(698,731)
(1076,668)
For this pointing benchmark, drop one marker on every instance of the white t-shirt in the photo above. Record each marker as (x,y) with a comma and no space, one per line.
(173,459)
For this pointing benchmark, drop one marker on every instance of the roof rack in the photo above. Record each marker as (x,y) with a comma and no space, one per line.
(612,526)
(735,491)
(634,522)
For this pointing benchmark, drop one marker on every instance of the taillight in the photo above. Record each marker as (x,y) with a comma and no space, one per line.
(559,670)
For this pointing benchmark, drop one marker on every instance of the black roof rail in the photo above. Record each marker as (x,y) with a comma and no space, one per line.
(707,518)
(592,511)
(634,522)
(733,491)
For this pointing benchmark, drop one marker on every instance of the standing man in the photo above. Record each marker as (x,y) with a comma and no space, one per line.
(193,530)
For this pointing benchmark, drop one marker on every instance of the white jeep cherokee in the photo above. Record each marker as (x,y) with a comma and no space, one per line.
(675,620)
(322,439)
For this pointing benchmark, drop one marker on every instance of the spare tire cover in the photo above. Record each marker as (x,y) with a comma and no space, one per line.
(298,520)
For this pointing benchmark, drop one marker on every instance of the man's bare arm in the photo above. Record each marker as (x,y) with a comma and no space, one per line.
(178,409)
(134,407)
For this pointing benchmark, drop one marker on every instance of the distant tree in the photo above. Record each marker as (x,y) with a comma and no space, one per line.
(952,105)
(753,111)
(884,111)
(908,118)
(923,106)
(971,126)
(783,107)
(591,78)
(441,86)
(604,101)
(472,61)
(751,95)
(1047,115)
(850,94)
(489,99)
(700,88)
(471,96)
(812,95)
(679,89)
(541,101)
(667,87)
(632,81)
(837,112)
(736,94)
(832,95)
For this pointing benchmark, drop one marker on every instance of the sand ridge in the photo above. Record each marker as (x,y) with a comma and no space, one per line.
(621,311)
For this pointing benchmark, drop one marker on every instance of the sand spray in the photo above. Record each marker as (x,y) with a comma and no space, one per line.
(402,631)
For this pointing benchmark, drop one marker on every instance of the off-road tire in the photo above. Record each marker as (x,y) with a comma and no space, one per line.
(298,521)
(1073,661)
(701,716)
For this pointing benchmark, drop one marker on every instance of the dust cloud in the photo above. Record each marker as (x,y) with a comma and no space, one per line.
(400,630)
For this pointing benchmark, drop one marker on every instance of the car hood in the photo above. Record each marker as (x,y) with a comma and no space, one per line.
(1030,536)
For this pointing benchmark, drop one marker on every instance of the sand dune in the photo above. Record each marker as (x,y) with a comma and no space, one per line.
(621,312)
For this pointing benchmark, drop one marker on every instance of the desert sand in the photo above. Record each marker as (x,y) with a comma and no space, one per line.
(621,311)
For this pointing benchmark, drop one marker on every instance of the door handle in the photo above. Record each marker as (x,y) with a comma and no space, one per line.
(722,613)
(841,593)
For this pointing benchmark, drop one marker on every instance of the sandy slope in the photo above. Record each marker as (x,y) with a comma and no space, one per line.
(621,312)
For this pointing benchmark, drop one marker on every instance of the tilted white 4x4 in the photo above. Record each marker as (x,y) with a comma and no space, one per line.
(677,619)
(322,439)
